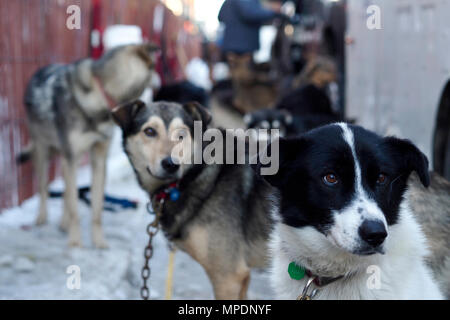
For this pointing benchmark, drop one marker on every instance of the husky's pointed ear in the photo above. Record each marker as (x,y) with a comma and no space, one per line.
(147,53)
(151,47)
(198,112)
(281,154)
(124,114)
(410,157)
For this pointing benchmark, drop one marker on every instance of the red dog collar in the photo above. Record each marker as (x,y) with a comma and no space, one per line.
(111,102)
(170,192)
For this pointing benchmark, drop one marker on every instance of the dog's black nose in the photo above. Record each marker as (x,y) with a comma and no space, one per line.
(169,165)
(373,232)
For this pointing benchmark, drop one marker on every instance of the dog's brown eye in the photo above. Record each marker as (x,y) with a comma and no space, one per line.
(330,179)
(150,132)
(381,178)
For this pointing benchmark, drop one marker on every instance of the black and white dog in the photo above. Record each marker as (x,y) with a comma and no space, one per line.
(345,230)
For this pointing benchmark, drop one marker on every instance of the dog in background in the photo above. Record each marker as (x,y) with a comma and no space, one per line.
(252,89)
(182,92)
(218,213)
(319,70)
(343,212)
(431,207)
(269,119)
(68,111)
(308,104)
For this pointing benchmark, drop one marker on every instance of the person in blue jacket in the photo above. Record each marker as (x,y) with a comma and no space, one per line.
(243,19)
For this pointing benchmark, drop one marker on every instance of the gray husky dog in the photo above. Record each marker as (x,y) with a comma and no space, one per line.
(68,110)
(219,213)
(431,207)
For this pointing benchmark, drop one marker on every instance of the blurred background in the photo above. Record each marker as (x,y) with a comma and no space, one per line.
(391,75)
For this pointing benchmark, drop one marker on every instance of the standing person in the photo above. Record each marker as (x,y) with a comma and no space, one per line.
(242,20)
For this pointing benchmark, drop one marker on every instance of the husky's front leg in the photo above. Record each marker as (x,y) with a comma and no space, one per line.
(231,286)
(65,220)
(98,161)
(40,161)
(69,167)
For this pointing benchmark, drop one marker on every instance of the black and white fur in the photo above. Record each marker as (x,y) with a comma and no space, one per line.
(269,119)
(344,228)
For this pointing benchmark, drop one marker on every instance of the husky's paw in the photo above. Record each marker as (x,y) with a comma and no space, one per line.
(75,243)
(100,243)
(98,239)
(74,237)
(65,223)
(42,218)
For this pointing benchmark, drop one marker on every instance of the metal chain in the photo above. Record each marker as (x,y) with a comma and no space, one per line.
(152,230)
(305,294)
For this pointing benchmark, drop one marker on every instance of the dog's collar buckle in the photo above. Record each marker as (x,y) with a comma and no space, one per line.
(297,272)
(172,192)
(306,294)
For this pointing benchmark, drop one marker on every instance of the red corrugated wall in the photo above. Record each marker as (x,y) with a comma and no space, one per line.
(174,33)
(33,33)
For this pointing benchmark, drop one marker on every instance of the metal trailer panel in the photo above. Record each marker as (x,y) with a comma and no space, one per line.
(396,75)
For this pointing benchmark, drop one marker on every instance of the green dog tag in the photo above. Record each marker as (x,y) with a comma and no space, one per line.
(296,272)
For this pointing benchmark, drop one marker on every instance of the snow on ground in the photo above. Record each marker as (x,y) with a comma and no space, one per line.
(34,260)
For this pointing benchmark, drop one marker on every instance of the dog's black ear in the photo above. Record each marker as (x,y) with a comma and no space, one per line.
(124,114)
(198,112)
(410,157)
(286,154)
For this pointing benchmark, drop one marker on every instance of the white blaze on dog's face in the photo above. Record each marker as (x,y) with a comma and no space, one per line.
(158,139)
(152,148)
(362,213)
(346,183)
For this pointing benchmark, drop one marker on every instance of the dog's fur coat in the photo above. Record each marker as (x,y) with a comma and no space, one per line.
(222,218)
(333,181)
(431,207)
(68,113)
